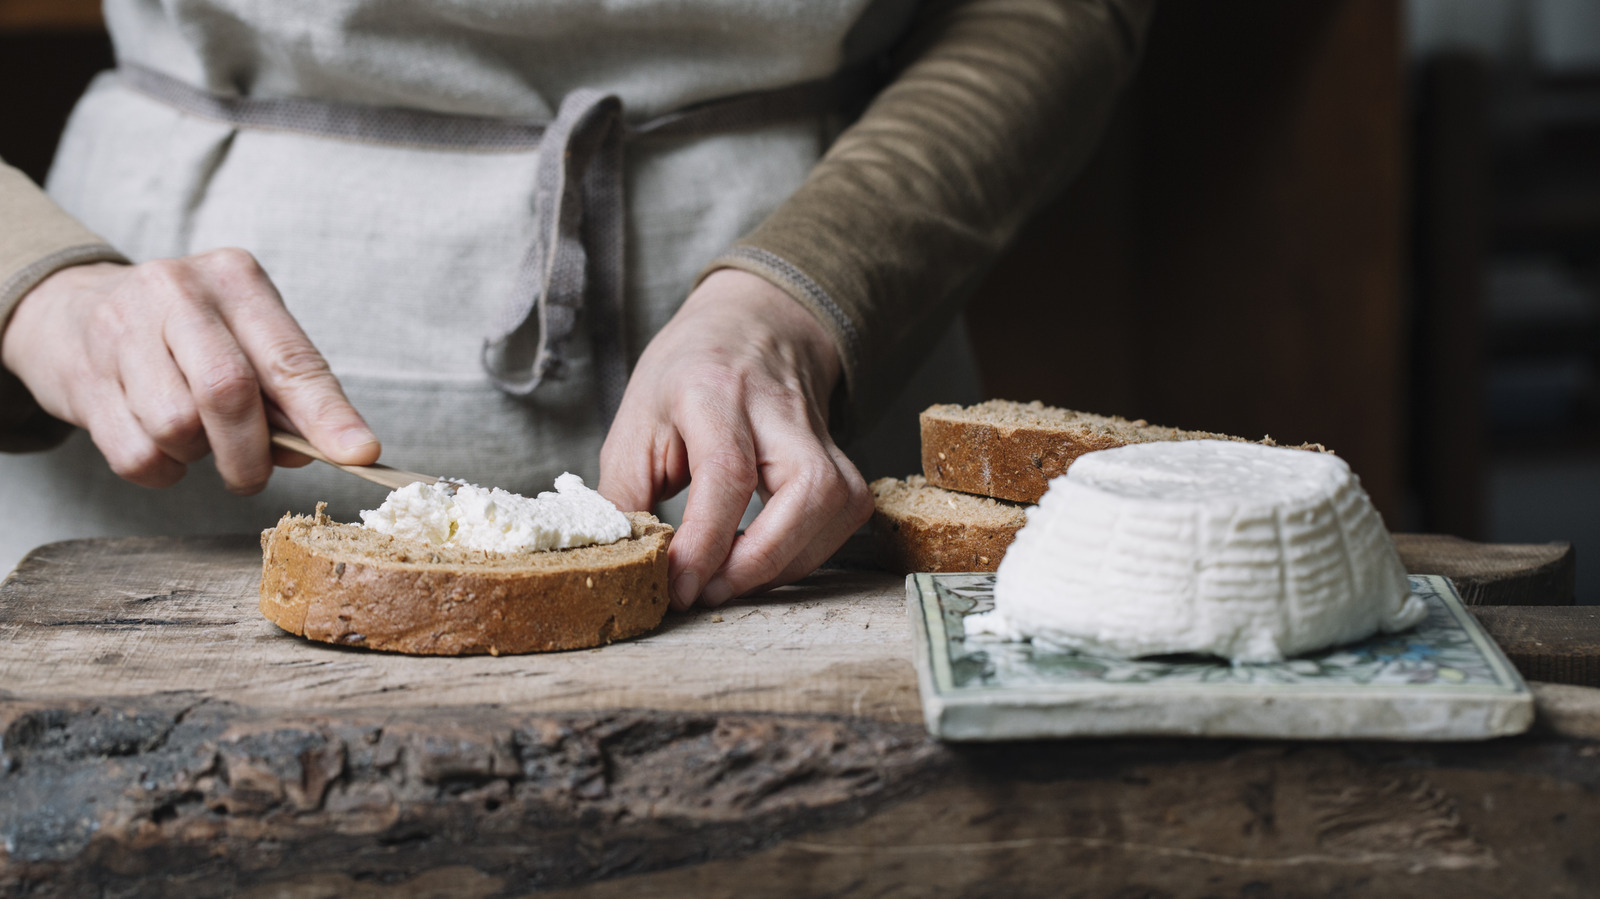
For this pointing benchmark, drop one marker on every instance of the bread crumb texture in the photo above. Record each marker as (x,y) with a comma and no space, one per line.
(346,584)
(919,527)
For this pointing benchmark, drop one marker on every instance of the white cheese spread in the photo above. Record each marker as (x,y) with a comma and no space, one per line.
(495,520)
(1243,551)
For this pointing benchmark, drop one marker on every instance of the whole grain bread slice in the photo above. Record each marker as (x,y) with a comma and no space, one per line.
(917,527)
(1011,450)
(347,584)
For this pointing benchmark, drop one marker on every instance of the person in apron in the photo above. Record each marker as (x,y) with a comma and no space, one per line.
(652,244)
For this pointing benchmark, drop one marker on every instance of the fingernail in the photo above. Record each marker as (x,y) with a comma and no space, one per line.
(686,588)
(352,439)
(717,592)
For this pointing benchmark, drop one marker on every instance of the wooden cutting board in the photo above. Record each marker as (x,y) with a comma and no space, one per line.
(157,736)
(140,616)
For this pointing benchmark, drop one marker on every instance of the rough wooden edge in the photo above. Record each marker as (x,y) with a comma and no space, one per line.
(1495,574)
(1567,711)
(1556,644)
(176,795)
(119,795)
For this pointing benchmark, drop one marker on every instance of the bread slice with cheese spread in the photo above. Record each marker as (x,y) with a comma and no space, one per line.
(1011,450)
(347,584)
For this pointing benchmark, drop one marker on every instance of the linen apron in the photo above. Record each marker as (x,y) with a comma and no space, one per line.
(400,257)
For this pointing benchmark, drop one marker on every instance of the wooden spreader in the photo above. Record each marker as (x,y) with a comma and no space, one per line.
(159,737)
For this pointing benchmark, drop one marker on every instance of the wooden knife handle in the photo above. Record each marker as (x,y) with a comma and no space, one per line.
(393,478)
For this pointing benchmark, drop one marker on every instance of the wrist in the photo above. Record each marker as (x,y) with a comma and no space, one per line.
(57,287)
(768,306)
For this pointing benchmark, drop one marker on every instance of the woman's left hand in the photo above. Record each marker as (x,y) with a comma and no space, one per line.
(731,398)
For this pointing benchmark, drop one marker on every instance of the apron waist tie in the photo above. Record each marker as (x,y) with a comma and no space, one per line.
(575,263)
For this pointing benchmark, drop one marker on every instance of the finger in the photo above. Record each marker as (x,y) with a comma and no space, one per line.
(626,460)
(281,457)
(838,529)
(123,441)
(291,372)
(641,465)
(722,466)
(287,458)
(159,398)
(804,513)
(227,396)
(818,499)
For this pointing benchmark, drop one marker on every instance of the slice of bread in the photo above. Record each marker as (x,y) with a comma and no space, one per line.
(1011,450)
(916,527)
(347,584)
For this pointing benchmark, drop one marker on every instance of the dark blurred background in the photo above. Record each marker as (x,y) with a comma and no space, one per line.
(1372,224)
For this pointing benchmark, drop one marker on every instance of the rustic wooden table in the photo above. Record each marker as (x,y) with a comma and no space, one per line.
(161,738)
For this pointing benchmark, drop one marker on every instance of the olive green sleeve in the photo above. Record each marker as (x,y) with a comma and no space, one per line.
(996,103)
(37,239)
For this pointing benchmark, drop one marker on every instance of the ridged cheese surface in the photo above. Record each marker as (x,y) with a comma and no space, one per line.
(1247,552)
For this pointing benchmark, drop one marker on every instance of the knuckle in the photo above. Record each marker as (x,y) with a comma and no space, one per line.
(140,464)
(762,564)
(710,385)
(233,260)
(227,388)
(818,479)
(859,508)
(176,426)
(830,484)
(239,274)
(163,270)
(730,467)
(170,277)
(294,364)
(107,323)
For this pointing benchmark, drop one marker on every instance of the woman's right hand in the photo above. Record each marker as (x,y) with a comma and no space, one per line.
(165,361)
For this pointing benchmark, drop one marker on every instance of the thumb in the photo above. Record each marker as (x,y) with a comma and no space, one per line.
(627,467)
(320,412)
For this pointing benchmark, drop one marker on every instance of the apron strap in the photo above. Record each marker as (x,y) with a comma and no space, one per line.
(575,262)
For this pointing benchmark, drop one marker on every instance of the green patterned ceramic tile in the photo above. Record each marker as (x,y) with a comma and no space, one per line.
(1443,679)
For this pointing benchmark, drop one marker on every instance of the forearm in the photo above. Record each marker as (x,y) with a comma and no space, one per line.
(37,239)
(997,104)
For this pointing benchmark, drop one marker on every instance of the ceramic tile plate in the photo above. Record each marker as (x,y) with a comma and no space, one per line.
(1442,680)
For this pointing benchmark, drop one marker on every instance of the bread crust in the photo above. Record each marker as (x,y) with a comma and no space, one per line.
(910,537)
(588,597)
(1006,462)
(1011,450)
(909,544)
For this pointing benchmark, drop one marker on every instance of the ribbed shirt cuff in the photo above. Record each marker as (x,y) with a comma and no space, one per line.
(37,239)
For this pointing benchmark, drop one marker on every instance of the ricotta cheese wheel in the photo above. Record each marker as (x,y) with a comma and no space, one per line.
(1247,552)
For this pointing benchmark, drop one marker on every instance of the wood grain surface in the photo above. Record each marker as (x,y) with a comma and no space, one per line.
(157,737)
(1557,644)
(1495,574)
